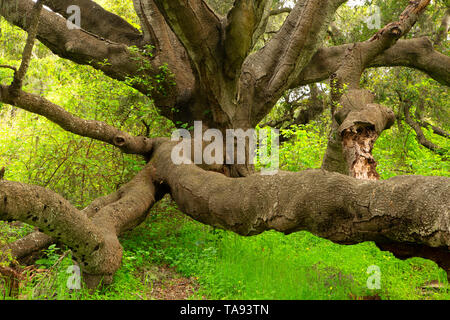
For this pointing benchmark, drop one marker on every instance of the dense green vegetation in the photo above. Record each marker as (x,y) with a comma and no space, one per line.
(220,264)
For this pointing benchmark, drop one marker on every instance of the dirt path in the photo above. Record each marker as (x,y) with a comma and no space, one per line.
(170,285)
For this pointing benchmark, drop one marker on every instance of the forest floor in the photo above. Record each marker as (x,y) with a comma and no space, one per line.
(171,257)
(171,285)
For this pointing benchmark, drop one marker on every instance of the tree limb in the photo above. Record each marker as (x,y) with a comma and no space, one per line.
(28,50)
(93,241)
(400,211)
(87,128)
(276,12)
(435,129)
(406,105)
(360,54)
(357,120)
(197,27)
(442,33)
(415,53)
(405,211)
(267,73)
(99,21)
(114,59)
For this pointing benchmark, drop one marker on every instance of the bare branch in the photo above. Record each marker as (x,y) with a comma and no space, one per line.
(28,50)
(8,67)
(406,105)
(276,12)
(87,128)
(442,33)
(415,53)
(359,55)
(98,21)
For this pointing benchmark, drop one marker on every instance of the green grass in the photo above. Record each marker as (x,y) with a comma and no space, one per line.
(228,266)
(272,265)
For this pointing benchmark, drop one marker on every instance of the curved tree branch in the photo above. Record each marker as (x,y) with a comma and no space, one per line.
(400,211)
(357,125)
(197,27)
(87,128)
(93,241)
(267,73)
(114,59)
(415,53)
(406,105)
(276,12)
(360,54)
(99,21)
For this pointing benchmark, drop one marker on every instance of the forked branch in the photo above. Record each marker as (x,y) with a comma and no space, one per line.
(28,50)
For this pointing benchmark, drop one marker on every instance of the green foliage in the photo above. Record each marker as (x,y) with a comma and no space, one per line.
(51,257)
(304,149)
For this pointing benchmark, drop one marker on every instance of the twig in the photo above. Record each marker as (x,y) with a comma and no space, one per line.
(19,75)
(8,67)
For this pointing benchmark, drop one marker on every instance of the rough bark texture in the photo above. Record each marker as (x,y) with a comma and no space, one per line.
(93,240)
(417,126)
(401,211)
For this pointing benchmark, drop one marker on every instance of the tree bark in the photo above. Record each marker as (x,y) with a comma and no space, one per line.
(93,241)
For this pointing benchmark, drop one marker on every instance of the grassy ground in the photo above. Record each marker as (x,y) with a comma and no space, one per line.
(172,257)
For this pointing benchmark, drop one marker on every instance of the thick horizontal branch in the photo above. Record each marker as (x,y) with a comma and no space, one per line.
(87,128)
(99,21)
(404,209)
(288,202)
(415,53)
